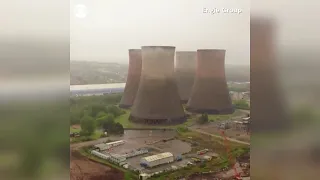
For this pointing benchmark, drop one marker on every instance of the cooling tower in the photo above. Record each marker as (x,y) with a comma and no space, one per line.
(157,99)
(210,92)
(185,73)
(133,78)
(267,108)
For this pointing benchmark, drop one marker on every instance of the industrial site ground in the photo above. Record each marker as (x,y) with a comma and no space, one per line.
(83,168)
(186,143)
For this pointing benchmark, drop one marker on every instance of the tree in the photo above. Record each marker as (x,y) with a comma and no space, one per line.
(182,128)
(105,121)
(204,118)
(74,119)
(112,128)
(111,98)
(87,126)
(116,111)
(101,114)
(96,109)
(118,128)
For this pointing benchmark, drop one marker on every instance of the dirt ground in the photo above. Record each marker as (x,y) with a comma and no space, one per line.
(202,177)
(76,126)
(81,168)
(228,174)
(234,133)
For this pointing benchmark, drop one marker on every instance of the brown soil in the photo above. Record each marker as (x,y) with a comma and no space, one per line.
(76,126)
(81,168)
(217,176)
(202,177)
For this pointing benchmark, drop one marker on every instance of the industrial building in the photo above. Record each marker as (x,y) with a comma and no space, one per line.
(101,147)
(96,89)
(158,159)
(210,92)
(157,100)
(136,153)
(242,125)
(239,95)
(118,159)
(115,143)
(133,78)
(115,158)
(106,146)
(100,155)
(185,68)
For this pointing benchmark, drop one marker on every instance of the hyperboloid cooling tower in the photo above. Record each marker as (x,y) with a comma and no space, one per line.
(157,100)
(267,104)
(133,78)
(210,92)
(185,73)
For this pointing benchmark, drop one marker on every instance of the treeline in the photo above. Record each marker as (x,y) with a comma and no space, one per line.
(203,118)
(93,112)
(241,104)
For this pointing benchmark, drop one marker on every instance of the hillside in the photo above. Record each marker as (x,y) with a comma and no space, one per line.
(82,72)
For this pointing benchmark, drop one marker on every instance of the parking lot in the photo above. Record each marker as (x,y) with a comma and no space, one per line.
(156,142)
(135,163)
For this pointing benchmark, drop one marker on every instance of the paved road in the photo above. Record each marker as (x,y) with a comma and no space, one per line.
(77,146)
(220,137)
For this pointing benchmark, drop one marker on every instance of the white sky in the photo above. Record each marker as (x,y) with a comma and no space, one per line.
(111,27)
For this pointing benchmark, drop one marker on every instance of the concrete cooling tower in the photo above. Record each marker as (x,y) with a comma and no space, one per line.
(157,100)
(267,103)
(185,73)
(210,92)
(133,78)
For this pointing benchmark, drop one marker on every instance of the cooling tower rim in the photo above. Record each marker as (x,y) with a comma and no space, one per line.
(163,47)
(211,50)
(135,50)
(262,20)
(186,51)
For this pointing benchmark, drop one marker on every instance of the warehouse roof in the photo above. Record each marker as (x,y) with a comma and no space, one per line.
(115,142)
(158,156)
(101,146)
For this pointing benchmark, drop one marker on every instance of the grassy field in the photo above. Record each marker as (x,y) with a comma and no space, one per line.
(225,117)
(9,159)
(96,135)
(124,120)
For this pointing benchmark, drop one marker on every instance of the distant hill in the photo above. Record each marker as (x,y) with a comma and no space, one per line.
(84,72)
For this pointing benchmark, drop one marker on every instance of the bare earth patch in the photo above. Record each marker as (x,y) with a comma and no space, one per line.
(81,168)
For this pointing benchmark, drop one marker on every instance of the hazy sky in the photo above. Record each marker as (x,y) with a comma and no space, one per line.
(111,27)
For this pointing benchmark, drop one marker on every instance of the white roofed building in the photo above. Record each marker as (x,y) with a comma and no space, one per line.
(157,159)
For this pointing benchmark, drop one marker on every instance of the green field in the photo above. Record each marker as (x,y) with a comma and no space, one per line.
(96,135)
(225,117)
(124,120)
